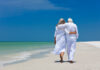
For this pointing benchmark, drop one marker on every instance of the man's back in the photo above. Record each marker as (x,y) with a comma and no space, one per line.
(71,27)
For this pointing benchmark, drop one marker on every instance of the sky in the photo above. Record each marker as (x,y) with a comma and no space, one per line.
(35,20)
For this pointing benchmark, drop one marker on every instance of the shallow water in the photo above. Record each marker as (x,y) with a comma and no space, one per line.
(11,52)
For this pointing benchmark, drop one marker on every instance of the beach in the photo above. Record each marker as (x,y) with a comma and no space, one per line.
(87,57)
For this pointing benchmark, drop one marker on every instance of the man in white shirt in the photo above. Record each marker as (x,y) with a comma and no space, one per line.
(71,38)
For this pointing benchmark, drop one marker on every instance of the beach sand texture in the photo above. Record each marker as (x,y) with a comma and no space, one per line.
(87,57)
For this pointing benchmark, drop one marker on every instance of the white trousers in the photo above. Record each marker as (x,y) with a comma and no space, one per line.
(71,47)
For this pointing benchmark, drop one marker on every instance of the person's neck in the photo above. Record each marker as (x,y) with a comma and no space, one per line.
(70,22)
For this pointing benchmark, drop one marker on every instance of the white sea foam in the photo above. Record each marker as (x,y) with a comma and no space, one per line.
(23,56)
(14,58)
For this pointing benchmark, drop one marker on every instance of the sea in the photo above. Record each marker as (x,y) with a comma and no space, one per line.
(15,52)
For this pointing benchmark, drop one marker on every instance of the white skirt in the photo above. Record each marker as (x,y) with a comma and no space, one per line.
(60,45)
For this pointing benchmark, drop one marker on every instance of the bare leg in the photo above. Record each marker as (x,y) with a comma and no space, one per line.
(61,56)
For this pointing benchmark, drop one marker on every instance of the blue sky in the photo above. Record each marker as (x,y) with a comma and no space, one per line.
(35,20)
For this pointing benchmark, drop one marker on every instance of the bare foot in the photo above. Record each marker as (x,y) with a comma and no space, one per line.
(61,61)
(71,61)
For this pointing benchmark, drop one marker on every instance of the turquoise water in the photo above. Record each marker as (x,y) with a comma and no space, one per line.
(16,51)
(14,47)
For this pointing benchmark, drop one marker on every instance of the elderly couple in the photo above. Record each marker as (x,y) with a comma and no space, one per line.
(66,34)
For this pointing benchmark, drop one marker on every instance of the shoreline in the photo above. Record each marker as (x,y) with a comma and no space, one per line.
(84,53)
(35,54)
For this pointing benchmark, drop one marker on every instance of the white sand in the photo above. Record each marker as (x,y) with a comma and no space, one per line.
(87,57)
(94,43)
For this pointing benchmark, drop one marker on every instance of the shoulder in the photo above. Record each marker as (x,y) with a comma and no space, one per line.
(61,25)
(66,23)
(74,24)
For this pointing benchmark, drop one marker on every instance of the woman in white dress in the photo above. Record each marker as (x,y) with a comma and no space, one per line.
(60,41)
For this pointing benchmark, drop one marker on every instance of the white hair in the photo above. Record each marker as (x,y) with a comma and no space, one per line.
(70,20)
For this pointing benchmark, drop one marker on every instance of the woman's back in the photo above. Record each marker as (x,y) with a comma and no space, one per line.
(60,33)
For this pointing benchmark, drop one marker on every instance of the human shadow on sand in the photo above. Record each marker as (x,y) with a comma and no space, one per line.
(63,61)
